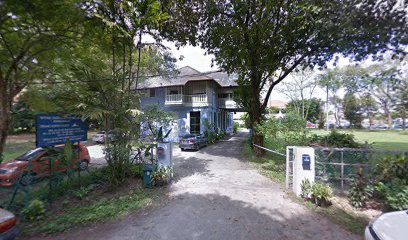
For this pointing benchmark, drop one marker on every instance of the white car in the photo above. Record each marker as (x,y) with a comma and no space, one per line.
(99,137)
(388,226)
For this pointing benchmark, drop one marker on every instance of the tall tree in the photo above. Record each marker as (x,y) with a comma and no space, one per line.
(32,35)
(368,107)
(352,110)
(300,91)
(264,41)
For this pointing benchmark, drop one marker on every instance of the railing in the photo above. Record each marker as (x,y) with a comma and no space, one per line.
(174,98)
(227,103)
(195,98)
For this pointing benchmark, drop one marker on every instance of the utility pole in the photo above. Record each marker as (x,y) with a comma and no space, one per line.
(327,107)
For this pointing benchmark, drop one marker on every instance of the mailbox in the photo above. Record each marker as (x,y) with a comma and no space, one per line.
(300,165)
(306,161)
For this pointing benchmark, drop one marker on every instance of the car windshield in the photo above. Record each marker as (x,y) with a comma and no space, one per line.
(28,156)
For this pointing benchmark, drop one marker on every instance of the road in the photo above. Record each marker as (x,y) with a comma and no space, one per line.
(216,194)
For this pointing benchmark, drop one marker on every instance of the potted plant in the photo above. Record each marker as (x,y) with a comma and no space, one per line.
(321,194)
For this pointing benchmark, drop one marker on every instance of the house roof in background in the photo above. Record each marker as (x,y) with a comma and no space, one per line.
(188,74)
(277,103)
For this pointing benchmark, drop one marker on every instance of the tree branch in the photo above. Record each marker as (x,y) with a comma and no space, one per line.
(283,76)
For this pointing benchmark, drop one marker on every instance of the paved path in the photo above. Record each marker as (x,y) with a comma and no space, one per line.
(217,195)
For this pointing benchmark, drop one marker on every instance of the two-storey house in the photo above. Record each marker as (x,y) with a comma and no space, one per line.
(195,98)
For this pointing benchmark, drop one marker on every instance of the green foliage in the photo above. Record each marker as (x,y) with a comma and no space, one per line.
(221,135)
(34,211)
(287,131)
(82,192)
(335,139)
(352,110)
(235,127)
(22,118)
(100,209)
(394,194)
(209,131)
(312,108)
(306,188)
(359,192)
(321,193)
(253,32)
(161,176)
(391,174)
(392,167)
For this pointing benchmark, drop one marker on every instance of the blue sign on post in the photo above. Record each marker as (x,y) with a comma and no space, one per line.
(52,129)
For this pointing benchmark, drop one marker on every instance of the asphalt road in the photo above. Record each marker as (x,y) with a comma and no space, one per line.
(216,194)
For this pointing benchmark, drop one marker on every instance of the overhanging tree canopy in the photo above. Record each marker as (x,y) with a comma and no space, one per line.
(264,41)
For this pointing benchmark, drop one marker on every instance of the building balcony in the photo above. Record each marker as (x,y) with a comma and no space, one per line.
(227,103)
(194,100)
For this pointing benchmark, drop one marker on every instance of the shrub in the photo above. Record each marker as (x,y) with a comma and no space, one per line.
(235,127)
(34,211)
(162,176)
(306,188)
(394,194)
(359,192)
(335,139)
(391,173)
(321,193)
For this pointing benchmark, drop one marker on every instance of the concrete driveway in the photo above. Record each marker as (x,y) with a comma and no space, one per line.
(217,195)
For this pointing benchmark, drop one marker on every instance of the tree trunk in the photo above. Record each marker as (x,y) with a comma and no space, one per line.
(404,116)
(4,119)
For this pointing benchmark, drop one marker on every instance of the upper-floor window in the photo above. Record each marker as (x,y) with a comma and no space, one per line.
(225,95)
(174,90)
(152,92)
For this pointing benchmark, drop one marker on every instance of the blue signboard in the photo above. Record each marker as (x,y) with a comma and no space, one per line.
(52,129)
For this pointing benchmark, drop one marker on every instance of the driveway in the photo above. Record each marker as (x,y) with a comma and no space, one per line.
(218,195)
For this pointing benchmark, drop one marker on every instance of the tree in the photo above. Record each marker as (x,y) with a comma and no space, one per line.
(32,35)
(352,110)
(300,91)
(264,41)
(331,81)
(311,108)
(368,107)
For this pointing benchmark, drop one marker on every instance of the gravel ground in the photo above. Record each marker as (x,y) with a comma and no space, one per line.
(217,195)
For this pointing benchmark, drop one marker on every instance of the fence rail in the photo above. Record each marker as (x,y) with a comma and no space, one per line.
(269,150)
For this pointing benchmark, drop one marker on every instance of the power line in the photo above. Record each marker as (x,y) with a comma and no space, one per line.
(127,78)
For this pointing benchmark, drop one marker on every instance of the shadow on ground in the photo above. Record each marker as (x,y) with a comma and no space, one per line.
(211,216)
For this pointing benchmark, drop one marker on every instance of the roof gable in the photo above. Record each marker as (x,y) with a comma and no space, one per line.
(187,74)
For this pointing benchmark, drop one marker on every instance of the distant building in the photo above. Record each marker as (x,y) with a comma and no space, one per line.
(279,105)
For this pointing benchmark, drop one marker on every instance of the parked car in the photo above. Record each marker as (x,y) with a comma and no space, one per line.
(310,125)
(100,136)
(192,141)
(379,126)
(8,229)
(388,226)
(39,158)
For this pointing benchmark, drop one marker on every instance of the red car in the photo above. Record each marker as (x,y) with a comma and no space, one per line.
(40,165)
(8,229)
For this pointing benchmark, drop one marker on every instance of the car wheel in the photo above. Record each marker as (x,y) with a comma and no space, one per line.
(182,149)
(198,147)
(83,165)
(27,179)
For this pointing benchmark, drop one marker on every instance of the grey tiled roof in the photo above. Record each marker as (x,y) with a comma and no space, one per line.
(187,74)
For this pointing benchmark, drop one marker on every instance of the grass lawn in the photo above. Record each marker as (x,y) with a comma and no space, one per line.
(380,139)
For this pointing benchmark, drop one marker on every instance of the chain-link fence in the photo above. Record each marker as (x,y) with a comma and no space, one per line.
(338,166)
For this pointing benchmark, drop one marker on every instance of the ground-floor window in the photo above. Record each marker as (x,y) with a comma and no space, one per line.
(195,122)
